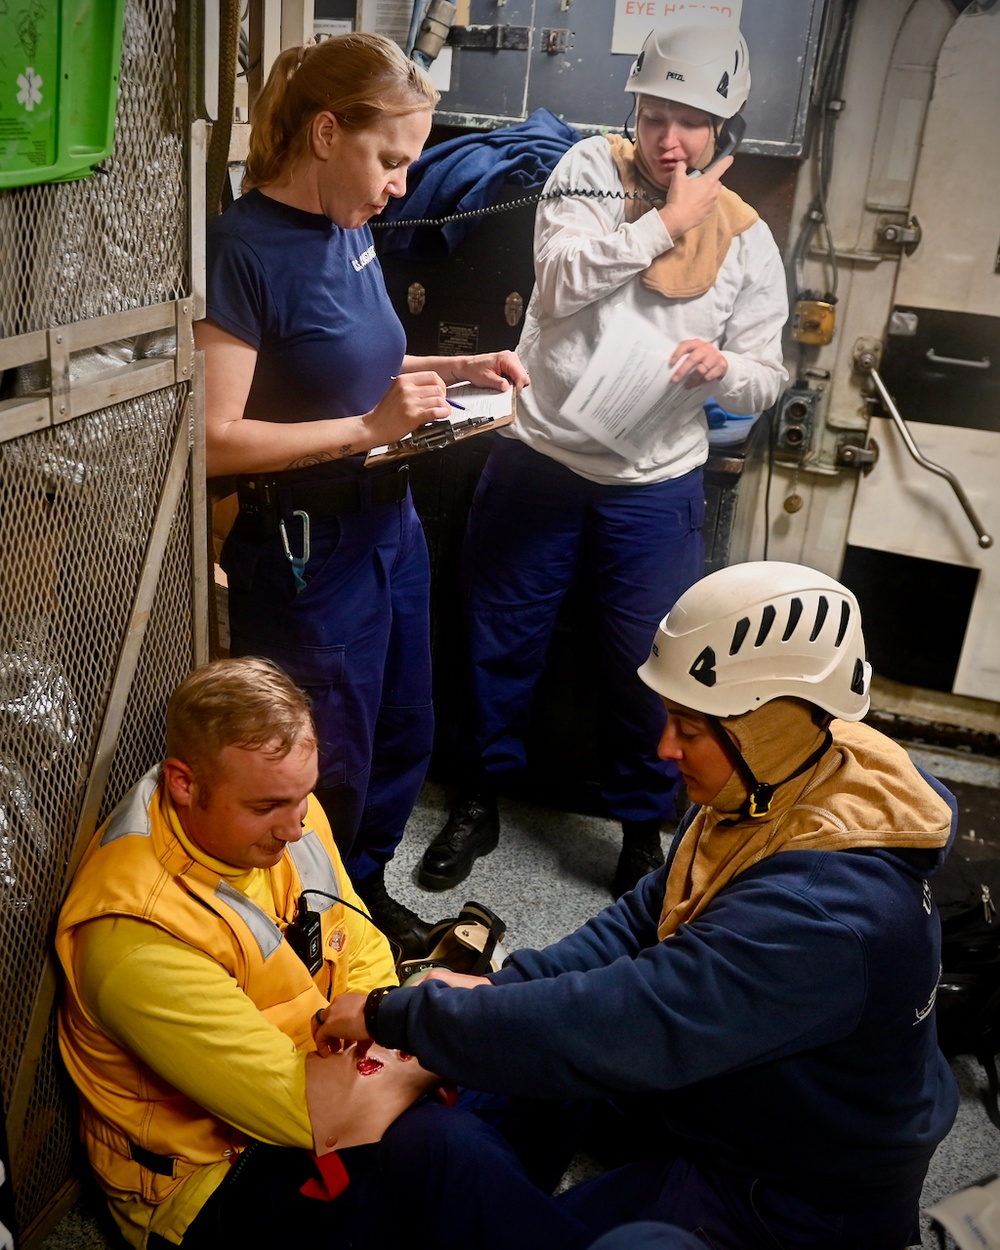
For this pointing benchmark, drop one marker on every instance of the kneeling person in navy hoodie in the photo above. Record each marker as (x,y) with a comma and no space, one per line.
(760,1010)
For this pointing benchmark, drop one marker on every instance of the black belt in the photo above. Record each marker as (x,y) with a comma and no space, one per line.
(162,1165)
(266,500)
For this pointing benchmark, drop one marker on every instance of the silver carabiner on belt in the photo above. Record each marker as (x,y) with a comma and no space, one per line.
(298,563)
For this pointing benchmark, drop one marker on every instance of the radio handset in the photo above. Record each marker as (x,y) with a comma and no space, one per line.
(730,136)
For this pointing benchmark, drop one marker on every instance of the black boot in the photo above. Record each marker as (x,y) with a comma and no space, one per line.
(396,921)
(473,829)
(641,854)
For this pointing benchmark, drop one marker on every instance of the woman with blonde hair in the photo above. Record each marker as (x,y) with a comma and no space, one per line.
(306,370)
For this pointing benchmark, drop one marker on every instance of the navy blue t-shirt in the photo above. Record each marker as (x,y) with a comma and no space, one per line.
(311,298)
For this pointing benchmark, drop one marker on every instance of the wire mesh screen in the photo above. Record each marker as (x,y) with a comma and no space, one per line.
(50,1149)
(78,505)
(80,500)
(165,658)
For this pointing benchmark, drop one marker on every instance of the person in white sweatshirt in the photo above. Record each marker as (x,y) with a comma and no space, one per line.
(636,240)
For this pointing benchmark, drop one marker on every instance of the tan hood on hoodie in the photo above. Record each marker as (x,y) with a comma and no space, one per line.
(692,265)
(864,791)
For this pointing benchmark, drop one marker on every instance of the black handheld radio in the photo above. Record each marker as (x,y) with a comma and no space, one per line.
(730,136)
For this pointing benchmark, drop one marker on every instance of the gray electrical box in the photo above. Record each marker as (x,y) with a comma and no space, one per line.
(519,55)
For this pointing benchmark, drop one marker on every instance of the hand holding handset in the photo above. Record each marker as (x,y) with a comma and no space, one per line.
(730,137)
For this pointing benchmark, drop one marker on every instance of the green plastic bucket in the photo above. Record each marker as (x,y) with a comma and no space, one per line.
(59,68)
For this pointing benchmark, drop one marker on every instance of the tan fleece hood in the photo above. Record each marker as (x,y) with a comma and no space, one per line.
(864,791)
(691,267)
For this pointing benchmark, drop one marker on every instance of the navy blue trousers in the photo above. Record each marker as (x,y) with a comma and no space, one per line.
(725,1211)
(535,528)
(440,1179)
(480,1175)
(356,638)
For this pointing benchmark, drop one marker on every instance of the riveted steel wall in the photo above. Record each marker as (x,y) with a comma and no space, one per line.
(103,575)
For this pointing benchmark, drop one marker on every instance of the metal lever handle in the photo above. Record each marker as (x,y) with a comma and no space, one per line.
(954,360)
(985,540)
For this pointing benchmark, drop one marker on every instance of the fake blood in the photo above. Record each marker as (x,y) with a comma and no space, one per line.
(369,1065)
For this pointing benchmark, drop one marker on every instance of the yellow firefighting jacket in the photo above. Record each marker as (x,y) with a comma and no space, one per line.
(144,1137)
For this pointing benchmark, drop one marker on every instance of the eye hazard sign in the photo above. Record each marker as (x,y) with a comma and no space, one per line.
(634,19)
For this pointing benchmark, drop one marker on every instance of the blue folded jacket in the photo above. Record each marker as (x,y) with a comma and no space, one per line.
(467,173)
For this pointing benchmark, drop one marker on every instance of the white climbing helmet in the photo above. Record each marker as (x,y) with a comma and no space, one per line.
(764,630)
(704,64)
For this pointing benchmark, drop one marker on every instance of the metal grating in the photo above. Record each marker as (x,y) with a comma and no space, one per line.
(165,659)
(78,499)
(81,500)
(84,508)
(50,1151)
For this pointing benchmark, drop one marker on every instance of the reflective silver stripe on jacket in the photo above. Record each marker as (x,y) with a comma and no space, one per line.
(266,933)
(131,816)
(316,870)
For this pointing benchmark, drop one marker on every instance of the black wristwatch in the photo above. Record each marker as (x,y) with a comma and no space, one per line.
(371,1007)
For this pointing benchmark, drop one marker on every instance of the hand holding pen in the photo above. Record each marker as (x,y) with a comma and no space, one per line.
(454,404)
(412,400)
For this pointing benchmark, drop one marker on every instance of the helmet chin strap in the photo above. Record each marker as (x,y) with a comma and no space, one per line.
(760,793)
(716,132)
(625,130)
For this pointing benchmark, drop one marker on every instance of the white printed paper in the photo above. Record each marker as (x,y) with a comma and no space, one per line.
(625,390)
(386,17)
(440,69)
(477,402)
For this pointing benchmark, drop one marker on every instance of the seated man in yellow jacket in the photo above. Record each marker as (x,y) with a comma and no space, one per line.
(208,923)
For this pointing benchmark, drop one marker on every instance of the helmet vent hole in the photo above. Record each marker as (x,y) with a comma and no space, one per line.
(858,679)
(766,621)
(794,614)
(739,634)
(822,608)
(845,616)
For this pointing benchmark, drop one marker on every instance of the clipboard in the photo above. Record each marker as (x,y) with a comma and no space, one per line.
(476,410)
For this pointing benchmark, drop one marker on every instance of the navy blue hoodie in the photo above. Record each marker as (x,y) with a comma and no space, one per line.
(785,1033)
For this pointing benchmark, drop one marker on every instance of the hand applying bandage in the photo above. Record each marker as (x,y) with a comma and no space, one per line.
(352,1018)
(344,1020)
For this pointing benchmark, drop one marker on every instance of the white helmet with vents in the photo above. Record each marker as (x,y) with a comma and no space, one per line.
(759,631)
(697,62)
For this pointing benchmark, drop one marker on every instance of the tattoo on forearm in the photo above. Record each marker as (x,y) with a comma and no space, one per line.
(316,457)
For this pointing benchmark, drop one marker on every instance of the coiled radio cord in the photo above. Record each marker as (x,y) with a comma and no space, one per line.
(588,193)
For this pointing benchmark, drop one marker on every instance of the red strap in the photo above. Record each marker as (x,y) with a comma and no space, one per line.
(332,1179)
(446,1093)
